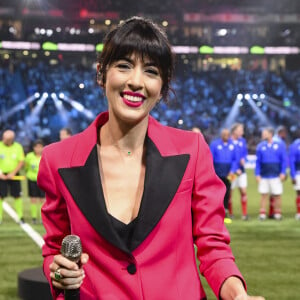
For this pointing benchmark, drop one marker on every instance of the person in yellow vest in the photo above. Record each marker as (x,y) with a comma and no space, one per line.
(11,162)
(37,196)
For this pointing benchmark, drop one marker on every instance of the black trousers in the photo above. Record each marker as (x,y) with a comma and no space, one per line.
(227,193)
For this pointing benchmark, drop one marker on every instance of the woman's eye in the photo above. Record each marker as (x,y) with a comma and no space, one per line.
(152,71)
(123,66)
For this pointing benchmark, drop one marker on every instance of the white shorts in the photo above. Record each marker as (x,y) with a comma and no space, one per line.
(270,186)
(240,181)
(297,184)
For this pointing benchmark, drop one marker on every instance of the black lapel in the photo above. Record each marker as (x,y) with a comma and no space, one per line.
(84,185)
(162,179)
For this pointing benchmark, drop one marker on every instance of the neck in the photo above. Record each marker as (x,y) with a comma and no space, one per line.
(125,137)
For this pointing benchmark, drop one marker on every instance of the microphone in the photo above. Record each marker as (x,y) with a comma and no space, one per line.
(71,249)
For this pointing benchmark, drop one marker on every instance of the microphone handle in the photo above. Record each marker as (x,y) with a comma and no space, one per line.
(72,294)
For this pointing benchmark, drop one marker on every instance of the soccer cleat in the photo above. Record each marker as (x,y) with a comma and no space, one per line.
(22,221)
(227,221)
(262,217)
(245,217)
(278,217)
(297,217)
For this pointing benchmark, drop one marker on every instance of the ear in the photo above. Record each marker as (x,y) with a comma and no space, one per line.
(99,76)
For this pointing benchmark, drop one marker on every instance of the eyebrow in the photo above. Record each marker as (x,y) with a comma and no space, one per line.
(147,64)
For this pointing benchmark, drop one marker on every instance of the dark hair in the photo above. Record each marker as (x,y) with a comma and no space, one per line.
(142,37)
(67,130)
(234,126)
(38,142)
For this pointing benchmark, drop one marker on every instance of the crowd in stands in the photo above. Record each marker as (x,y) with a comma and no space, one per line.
(201,99)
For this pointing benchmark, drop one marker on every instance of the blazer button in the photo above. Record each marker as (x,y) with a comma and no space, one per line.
(131,269)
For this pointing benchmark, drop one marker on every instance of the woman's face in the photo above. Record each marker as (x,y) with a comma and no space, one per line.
(133,86)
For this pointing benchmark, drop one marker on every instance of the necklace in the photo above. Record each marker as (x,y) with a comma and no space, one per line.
(126,151)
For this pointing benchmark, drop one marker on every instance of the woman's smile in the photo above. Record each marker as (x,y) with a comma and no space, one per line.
(132,99)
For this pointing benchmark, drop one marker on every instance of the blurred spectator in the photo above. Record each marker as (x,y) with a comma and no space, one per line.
(225,162)
(11,162)
(294,160)
(270,171)
(65,133)
(204,98)
(37,196)
(240,181)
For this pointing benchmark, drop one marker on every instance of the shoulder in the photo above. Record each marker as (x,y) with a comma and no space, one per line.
(215,142)
(170,139)
(62,147)
(29,155)
(17,145)
(260,145)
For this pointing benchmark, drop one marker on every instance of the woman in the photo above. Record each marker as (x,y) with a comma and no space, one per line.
(138,194)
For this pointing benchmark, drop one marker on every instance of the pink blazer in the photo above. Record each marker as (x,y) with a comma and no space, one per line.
(182,205)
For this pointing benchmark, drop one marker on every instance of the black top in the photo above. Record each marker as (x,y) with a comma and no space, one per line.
(124,231)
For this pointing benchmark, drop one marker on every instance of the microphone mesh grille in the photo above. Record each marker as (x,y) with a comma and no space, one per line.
(71,247)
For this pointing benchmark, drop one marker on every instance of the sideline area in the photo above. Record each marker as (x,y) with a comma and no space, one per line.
(34,235)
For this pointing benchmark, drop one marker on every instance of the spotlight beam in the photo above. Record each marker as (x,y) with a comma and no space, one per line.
(79,107)
(232,114)
(60,108)
(282,110)
(262,117)
(5,116)
(33,118)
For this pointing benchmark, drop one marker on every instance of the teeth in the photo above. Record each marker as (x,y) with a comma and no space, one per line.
(133,98)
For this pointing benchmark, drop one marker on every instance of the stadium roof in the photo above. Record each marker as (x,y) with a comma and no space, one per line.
(128,7)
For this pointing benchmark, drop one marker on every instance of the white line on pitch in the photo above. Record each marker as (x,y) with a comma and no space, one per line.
(35,236)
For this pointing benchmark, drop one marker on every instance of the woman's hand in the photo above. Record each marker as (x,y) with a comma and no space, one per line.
(233,289)
(66,274)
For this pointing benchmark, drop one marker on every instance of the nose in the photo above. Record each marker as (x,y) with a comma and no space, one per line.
(135,80)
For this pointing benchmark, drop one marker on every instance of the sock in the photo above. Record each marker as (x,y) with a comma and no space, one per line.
(33,210)
(277,214)
(19,207)
(1,210)
(298,204)
(244,201)
(40,210)
(262,211)
(271,208)
(230,205)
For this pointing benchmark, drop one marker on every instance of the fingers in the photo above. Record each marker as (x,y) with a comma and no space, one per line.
(246,297)
(61,261)
(66,274)
(69,279)
(84,258)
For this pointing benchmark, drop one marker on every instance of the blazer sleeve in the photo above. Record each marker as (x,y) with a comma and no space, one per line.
(54,215)
(210,234)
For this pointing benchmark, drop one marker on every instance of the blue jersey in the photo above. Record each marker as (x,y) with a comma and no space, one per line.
(277,138)
(224,157)
(294,158)
(270,159)
(241,151)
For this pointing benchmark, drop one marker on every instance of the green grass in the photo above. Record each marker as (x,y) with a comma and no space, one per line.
(267,253)
(18,252)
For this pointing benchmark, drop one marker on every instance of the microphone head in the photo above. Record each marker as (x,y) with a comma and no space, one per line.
(71,247)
